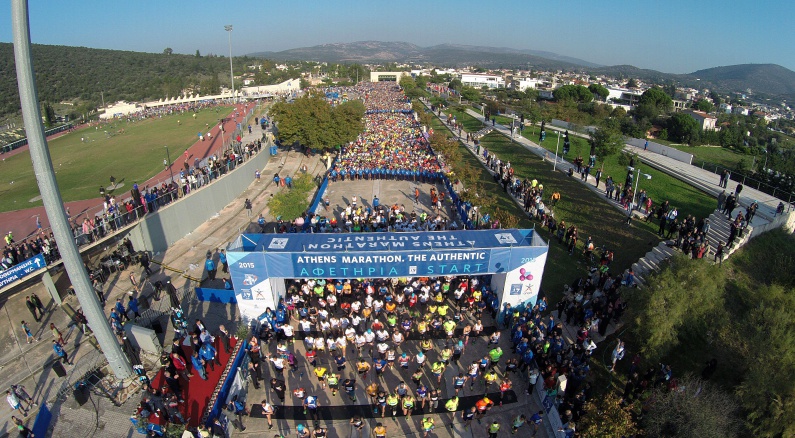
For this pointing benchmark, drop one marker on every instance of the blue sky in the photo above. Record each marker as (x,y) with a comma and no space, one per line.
(673,36)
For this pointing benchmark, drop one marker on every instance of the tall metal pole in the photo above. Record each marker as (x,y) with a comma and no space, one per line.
(228,29)
(554,166)
(53,203)
(170,169)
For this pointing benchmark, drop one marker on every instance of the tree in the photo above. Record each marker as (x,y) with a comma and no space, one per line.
(606,418)
(304,84)
(683,128)
(693,409)
(47,114)
(704,105)
(632,83)
(470,94)
(198,55)
(455,84)
(656,98)
(311,121)
(768,390)
(575,93)
(606,142)
(600,91)
(167,51)
(505,218)
(675,301)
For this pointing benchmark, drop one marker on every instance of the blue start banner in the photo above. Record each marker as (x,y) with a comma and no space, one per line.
(328,243)
(21,270)
(516,257)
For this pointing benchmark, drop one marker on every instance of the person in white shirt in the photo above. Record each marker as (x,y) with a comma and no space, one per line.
(397,338)
(306,325)
(382,335)
(382,347)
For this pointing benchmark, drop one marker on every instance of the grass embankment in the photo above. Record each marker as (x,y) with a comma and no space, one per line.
(661,187)
(578,206)
(85,159)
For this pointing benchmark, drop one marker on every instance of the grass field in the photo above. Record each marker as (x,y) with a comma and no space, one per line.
(83,166)
(579,206)
(661,187)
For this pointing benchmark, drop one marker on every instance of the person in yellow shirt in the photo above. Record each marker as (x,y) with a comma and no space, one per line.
(408,404)
(438,369)
(379,431)
(320,372)
(333,382)
(427,426)
(392,401)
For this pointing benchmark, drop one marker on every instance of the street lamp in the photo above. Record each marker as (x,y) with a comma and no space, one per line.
(555,165)
(637,179)
(167,163)
(228,28)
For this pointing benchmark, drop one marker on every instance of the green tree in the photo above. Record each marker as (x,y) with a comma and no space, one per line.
(768,390)
(675,300)
(695,409)
(167,51)
(632,83)
(600,91)
(470,94)
(683,128)
(606,417)
(606,142)
(656,98)
(47,114)
(575,93)
(704,105)
(198,55)
(455,84)
(310,121)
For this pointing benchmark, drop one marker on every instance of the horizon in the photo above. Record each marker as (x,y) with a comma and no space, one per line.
(684,37)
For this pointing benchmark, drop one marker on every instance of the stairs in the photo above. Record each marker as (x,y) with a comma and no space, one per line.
(719,229)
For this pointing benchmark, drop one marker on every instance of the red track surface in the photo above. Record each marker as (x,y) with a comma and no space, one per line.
(23,222)
(197,392)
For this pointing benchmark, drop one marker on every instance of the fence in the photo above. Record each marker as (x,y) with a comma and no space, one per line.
(24,141)
(749,181)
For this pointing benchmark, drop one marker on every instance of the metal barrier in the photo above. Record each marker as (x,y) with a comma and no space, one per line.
(749,181)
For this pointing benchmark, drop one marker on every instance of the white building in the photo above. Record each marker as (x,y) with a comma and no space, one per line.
(479,81)
(522,84)
(623,96)
(705,121)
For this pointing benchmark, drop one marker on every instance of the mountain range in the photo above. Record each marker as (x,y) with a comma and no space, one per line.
(766,79)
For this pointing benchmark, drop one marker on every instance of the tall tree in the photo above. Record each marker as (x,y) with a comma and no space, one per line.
(600,91)
(606,142)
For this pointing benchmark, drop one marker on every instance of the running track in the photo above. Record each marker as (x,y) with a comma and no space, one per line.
(23,222)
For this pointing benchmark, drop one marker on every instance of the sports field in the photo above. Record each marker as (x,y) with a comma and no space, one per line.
(85,159)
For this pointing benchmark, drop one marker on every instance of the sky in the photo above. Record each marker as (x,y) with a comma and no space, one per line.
(673,36)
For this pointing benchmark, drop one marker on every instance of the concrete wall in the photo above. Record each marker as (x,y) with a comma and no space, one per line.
(786,221)
(161,229)
(657,148)
(666,151)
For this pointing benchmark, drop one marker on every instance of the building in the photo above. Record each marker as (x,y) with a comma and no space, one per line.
(623,96)
(522,84)
(480,81)
(387,76)
(705,121)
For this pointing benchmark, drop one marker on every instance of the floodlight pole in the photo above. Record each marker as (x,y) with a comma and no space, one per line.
(555,165)
(228,29)
(170,169)
(51,196)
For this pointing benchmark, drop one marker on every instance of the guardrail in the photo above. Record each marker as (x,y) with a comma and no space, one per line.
(774,191)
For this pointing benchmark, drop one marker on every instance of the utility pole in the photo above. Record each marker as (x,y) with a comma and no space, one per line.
(228,28)
(53,203)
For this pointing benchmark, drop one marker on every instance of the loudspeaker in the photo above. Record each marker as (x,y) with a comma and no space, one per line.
(81,394)
(157,327)
(58,368)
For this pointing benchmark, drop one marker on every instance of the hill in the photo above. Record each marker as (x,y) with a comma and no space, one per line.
(444,54)
(66,73)
(769,79)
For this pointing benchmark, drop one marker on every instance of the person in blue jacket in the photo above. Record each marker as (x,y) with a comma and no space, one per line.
(209,355)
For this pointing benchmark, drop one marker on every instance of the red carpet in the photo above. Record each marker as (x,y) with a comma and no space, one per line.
(197,392)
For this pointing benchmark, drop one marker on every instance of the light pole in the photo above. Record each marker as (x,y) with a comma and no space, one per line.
(228,28)
(637,179)
(555,165)
(51,196)
(168,164)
